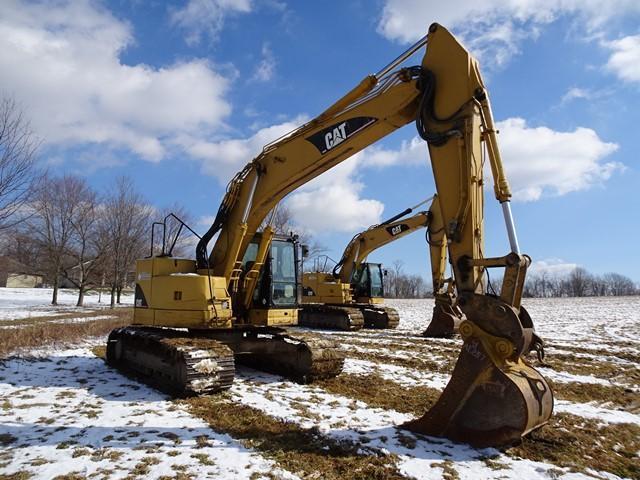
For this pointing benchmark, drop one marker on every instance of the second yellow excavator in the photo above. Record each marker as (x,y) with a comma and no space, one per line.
(350,297)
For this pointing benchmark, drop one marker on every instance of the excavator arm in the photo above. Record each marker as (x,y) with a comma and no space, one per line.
(378,106)
(377,236)
(494,395)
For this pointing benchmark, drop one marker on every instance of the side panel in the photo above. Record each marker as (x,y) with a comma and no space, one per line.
(273,316)
(323,288)
(170,293)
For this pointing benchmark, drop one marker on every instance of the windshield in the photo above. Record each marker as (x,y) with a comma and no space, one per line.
(283,273)
(375,273)
(367,280)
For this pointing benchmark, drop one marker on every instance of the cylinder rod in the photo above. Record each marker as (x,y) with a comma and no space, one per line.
(247,207)
(410,51)
(511,229)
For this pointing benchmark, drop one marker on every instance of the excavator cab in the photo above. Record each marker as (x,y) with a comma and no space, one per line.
(368,283)
(275,298)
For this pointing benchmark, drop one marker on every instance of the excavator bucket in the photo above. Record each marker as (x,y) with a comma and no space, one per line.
(445,322)
(494,397)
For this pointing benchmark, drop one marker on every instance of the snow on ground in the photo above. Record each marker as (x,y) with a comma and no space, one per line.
(71,413)
(345,419)
(20,303)
(403,376)
(66,411)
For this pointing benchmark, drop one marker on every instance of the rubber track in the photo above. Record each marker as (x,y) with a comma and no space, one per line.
(330,317)
(302,358)
(173,361)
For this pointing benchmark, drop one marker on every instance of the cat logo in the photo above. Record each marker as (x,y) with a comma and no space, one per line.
(396,230)
(336,136)
(330,137)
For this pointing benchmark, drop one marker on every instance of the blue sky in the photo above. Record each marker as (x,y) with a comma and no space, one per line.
(180,95)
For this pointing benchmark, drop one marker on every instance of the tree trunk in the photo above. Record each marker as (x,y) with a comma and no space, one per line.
(119,293)
(113,296)
(80,302)
(54,300)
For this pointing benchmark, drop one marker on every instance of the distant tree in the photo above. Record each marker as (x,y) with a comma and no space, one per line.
(127,219)
(578,282)
(53,208)
(19,175)
(185,241)
(618,285)
(283,224)
(85,248)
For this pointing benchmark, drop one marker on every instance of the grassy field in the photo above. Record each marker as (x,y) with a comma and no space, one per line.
(64,413)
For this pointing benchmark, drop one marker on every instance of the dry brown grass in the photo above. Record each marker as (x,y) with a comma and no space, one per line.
(614,395)
(43,334)
(579,444)
(600,368)
(376,391)
(57,317)
(415,363)
(304,451)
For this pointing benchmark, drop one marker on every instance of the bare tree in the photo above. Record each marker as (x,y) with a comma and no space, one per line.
(18,172)
(51,224)
(618,285)
(578,282)
(283,224)
(125,229)
(85,247)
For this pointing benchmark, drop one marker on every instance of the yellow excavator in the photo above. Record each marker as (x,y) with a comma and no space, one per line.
(193,318)
(350,297)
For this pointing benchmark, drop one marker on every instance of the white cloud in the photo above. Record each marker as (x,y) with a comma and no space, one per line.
(625,59)
(575,93)
(266,69)
(62,62)
(200,18)
(412,152)
(539,160)
(553,267)
(494,29)
(222,159)
(332,203)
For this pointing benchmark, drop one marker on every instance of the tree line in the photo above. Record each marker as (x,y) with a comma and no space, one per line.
(576,283)
(72,234)
(579,283)
(62,228)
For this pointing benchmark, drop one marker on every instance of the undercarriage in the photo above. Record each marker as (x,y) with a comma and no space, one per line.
(347,317)
(200,362)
